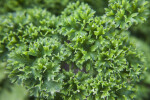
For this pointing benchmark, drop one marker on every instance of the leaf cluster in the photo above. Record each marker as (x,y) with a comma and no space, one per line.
(75,55)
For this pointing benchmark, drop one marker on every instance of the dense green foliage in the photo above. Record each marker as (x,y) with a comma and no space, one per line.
(54,6)
(74,51)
